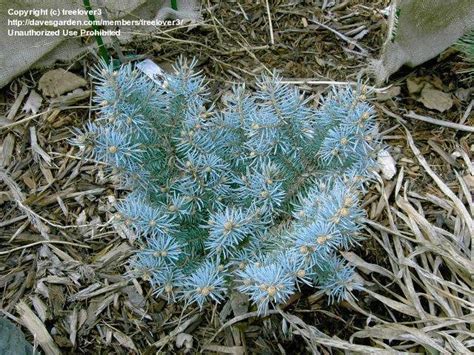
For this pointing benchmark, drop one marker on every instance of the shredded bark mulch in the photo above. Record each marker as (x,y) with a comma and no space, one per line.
(62,259)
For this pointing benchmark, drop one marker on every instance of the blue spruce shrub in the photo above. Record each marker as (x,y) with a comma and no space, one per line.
(257,196)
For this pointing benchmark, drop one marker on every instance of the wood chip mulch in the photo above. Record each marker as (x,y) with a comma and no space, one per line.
(62,261)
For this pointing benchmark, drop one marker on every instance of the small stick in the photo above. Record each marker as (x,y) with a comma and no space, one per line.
(390,113)
(272,39)
(44,242)
(330,82)
(17,103)
(468,112)
(243,11)
(457,126)
(341,6)
(26,119)
(349,40)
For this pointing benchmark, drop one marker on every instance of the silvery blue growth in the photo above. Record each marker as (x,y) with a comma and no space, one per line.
(257,196)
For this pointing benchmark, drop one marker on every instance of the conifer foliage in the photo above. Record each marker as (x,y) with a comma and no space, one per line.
(256,192)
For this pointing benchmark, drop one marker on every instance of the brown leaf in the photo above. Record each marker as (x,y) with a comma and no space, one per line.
(415,85)
(435,99)
(59,81)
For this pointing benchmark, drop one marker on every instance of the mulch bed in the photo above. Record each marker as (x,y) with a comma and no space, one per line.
(62,261)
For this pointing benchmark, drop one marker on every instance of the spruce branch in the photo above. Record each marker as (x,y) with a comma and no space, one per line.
(259,193)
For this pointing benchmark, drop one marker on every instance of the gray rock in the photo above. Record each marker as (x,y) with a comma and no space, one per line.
(12,339)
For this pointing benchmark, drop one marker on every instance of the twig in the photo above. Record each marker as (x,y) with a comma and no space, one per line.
(270,24)
(44,242)
(29,211)
(330,82)
(243,11)
(468,112)
(390,113)
(363,51)
(457,126)
(448,158)
(26,119)
(341,6)
(11,221)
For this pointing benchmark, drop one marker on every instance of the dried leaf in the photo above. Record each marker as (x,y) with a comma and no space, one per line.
(125,340)
(435,99)
(364,266)
(399,332)
(59,81)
